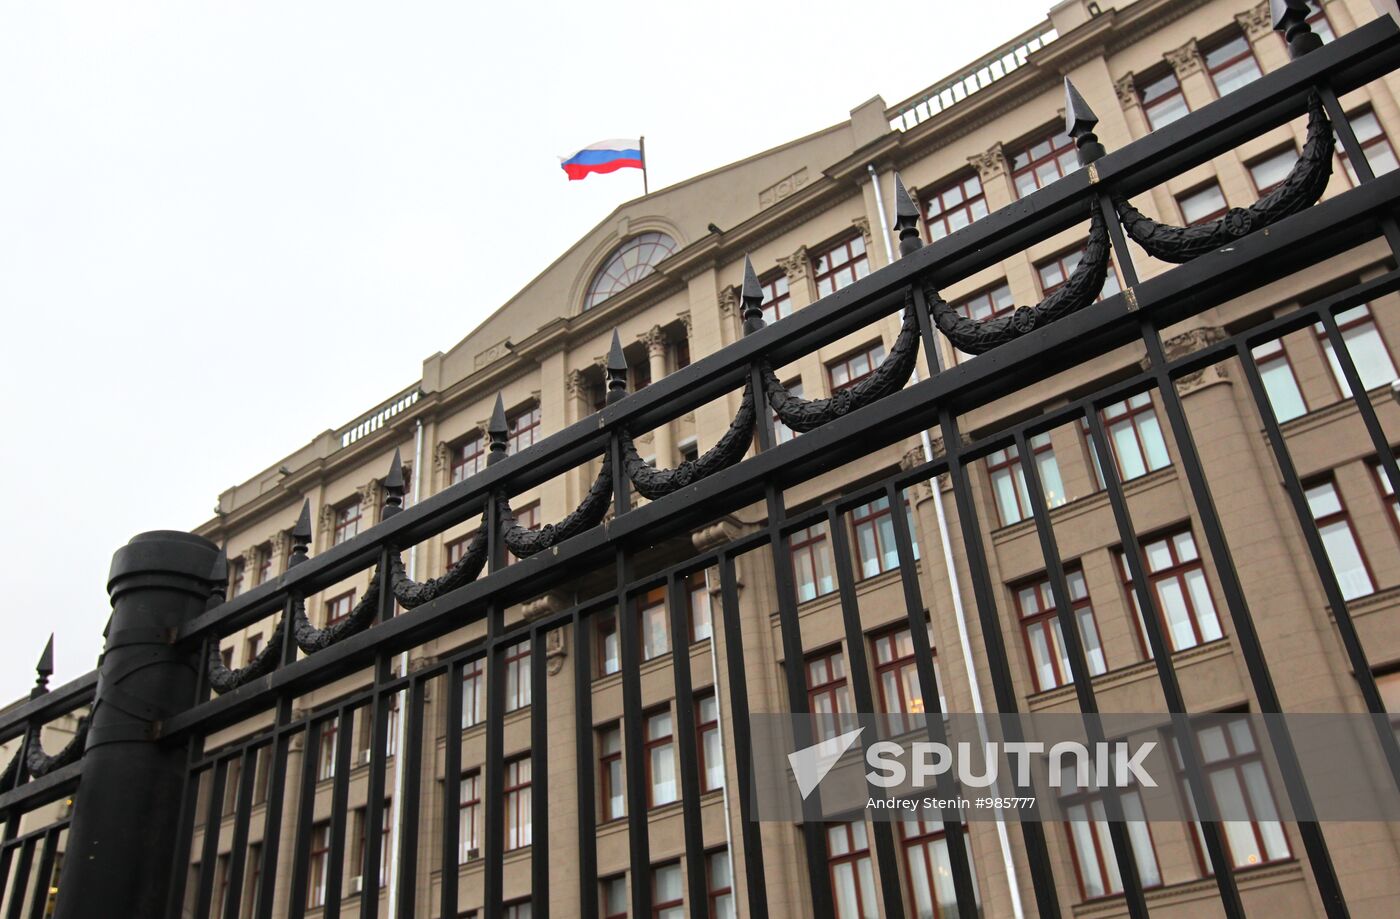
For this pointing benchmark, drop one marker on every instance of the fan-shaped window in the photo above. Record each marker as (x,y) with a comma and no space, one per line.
(632,261)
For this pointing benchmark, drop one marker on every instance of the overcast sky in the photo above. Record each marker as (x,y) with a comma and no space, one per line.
(226,227)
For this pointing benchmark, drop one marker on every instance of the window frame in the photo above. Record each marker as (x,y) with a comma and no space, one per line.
(776,305)
(874,355)
(517,778)
(1324,345)
(1061,261)
(470,810)
(1381,138)
(606,760)
(1197,190)
(1047,617)
(650,743)
(854,857)
(517,690)
(815,539)
(518,435)
(1061,147)
(345,526)
(1142,85)
(1219,44)
(1341,515)
(1177,569)
(833,686)
(474,675)
(702,728)
(1274,352)
(853,261)
(1261,159)
(966,205)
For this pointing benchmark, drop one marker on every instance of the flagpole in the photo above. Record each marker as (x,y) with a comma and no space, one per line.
(642,142)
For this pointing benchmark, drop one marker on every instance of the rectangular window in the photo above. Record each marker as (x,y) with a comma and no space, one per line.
(781,432)
(1053,273)
(1042,161)
(721,884)
(253,648)
(469,817)
(265,573)
(391,738)
(989,304)
(1135,437)
(330,736)
(777,297)
(529,518)
(468,457)
(1203,204)
(1162,100)
(929,869)
(813,569)
(520,909)
(458,548)
(317,865)
(337,608)
(1095,859)
(1235,776)
(523,430)
(958,204)
(385,847)
(654,620)
(697,594)
(876,552)
(1178,582)
(1387,493)
(473,692)
(347,522)
(1045,642)
(844,263)
(236,579)
(614,894)
(667,892)
(660,759)
(1008,480)
(827,695)
(852,876)
(1276,371)
(518,676)
(517,795)
(1379,153)
(1269,171)
(1343,550)
(708,743)
(1231,64)
(609,646)
(897,672)
(849,371)
(612,791)
(1364,344)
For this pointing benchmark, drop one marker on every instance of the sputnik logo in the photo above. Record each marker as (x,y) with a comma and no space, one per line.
(811,764)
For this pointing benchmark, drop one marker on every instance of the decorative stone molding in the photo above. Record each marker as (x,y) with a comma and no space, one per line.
(544,605)
(716,534)
(1178,346)
(1256,22)
(601,362)
(795,266)
(989,164)
(324,520)
(276,545)
(1186,60)
(416,664)
(576,383)
(862,224)
(728,300)
(492,354)
(655,340)
(782,188)
(372,495)
(555,651)
(684,317)
(442,457)
(911,458)
(1126,88)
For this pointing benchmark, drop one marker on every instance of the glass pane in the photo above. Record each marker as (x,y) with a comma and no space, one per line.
(1345,556)
(1206,619)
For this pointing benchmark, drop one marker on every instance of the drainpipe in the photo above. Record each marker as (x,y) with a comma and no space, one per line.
(719,729)
(884,222)
(402,731)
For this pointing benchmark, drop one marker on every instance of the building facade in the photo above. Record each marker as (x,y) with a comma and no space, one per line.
(812,215)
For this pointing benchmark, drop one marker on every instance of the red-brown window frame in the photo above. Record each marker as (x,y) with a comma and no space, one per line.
(1342,329)
(696,584)
(517,656)
(1060,145)
(702,728)
(717,892)
(468,456)
(874,354)
(1234,763)
(236,577)
(1131,412)
(1213,215)
(1389,497)
(897,664)
(333,604)
(1059,261)
(605,761)
(1148,105)
(523,429)
(1264,158)
(1344,516)
(516,794)
(830,685)
(659,906)
(1177,569)
(643,604)
(964,308)
(1047,615)
(469,801)
(650,743)
(917,834)
(473,671)
(806,547)
(265,563)
(603,885)
(852,855)
(966,205)
(1219,43)
(775,305)
(316,895)
(851,259)
(344,521)
(1366,145)
(1274,356)
(607,626)
(861,516)
(1087,798)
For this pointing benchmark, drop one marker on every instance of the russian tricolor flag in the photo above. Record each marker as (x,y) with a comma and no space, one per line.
(604,156)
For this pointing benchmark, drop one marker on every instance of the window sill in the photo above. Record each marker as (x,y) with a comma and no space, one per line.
(1085,504)
(1199,889)
(1317,417)
(1132,673)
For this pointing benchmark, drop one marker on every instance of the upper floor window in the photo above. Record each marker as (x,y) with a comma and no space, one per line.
(1162,100)
(707,741)
(338,607)
(265,563)
(518,675)
(468,457)
(347,522)
(469,812)
(529,518)
(721,884)
(1268,172)
(989,304)
(954,206)
(1086,822)
(827,695)
(1276,371)
(318,864)
(876,551)
(236,577)
(1040,623)
(1013,500)
(612,789)
(1379,153)
(1364,344)
(1178,584)
(697,594)
(842,264)
(1387,492)
(1339,539)
(1203,204)
(781,432)
(660,759)
(630,262)
(615,903)
(667,892)
(852,875)
(1135,437)
(812,564)
(518,801)
(1231,64)
(655,623)
(473,692)
(777,297)
(1042,162)
(897,672)
(1054,272)
(849,371)
(524,429)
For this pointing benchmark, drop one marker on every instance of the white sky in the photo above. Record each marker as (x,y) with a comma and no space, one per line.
(226,227)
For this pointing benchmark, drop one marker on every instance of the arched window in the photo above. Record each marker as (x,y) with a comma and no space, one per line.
(632,261)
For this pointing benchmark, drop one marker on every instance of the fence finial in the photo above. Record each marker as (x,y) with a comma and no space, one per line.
(498,430)
(394,486)
(1080,122)
(44,669)
(906,219)
(301,535)
(617,370)
(752,296)
(1291,18)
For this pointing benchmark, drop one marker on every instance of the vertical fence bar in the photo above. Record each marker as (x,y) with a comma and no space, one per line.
(209,852)
(633,734)
(858,677)
(493,832)
(243,812)
(38,907)
(20,887)
(451,786)
(584,768)
(373,830)
(277,765)
(1384,451)
(306,816)
(340,807)
(412,803)
(754,877)
(696,880)
(539,777)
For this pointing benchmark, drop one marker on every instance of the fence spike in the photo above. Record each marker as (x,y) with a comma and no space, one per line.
(301,535)
(394,486)
(1291,18)
(752,296)
(906,219)
(44,669)
(498,430)
(616,370)
(1080,122)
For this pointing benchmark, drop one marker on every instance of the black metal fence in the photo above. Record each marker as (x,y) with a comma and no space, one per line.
(180,746)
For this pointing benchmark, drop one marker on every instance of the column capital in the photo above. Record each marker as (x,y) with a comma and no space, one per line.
(728,300)
(1126,88)
(655,340)
(575,382)
(1256,22)
(989,164)
(442,457)
(863,224)
(795,265)
(1185,60)
(684,317)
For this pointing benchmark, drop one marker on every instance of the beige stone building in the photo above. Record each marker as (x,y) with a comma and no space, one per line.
(663,270)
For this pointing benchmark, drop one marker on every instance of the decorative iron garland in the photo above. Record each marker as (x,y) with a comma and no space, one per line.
(653,483)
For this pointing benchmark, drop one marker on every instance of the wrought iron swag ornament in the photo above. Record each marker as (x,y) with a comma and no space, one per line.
(31,755)
(1300,190)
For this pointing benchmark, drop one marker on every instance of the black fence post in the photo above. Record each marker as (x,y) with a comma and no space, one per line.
(118,860)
